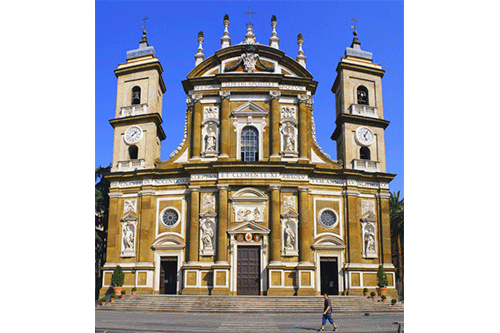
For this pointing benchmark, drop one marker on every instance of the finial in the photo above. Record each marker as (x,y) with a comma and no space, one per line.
(225,39)
(301,59)
(354,32)
(274,41)
(249,13)
(199,57)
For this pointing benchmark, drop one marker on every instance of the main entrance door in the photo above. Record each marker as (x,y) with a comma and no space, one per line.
(248,270)
(329,276)
(168,275)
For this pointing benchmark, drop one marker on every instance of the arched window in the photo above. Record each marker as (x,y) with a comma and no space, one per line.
(362,95)
(133,152)
(136,95)
(249,144)
(364,153)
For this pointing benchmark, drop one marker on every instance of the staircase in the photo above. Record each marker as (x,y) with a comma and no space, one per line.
(248,304)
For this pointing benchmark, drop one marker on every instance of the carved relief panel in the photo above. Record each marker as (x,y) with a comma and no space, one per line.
(288,131)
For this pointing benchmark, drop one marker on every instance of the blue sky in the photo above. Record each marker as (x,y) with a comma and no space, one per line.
(172,29)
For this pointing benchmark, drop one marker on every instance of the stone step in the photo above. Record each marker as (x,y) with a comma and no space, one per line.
(253,304)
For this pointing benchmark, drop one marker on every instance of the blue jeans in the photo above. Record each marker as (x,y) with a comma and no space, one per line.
(329,317)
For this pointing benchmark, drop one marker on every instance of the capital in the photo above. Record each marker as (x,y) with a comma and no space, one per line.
(224,94)
(195,98)
(274,94)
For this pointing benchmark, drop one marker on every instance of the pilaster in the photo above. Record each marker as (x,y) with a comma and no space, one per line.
(275,123)
(275,224)
(304,129)
(194,223)
(197,116)
(224,125)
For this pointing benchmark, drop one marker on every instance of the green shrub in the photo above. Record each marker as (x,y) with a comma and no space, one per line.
(365,290)
(103,299)
(372,293)
(123,292)
(118,277)
(383,297)
(134,289)
(381,277)
(394,301)
(112,296)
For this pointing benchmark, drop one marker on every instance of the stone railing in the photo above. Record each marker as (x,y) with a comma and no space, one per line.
(133,110)
(366,165)
(130,165)
(364,110)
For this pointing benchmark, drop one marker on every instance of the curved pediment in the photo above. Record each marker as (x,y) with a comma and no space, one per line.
(255,58)
(249,194)
(168,242)
(328,243)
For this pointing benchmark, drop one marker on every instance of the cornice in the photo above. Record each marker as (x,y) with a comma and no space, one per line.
(141,119)
(354,119)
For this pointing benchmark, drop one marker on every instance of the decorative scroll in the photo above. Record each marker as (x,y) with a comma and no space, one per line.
(249,60)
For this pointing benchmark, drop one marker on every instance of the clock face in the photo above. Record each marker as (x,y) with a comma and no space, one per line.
(133,134)
(364,136)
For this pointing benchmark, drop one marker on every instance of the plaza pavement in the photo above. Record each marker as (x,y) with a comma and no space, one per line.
(129,321)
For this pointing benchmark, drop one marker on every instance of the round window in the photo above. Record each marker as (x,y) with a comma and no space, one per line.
(328,218)
(170,217)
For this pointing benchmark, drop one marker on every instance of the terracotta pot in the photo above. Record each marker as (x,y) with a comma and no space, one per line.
(394,305)
(112,300)
(373,297)
(133,293)
(103,303)
(123,296)
(117,290)
(364,294)
(382,291)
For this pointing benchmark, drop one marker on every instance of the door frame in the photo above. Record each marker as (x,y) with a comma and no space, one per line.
(340,267)
(260,267)
(234,264)
(157,258)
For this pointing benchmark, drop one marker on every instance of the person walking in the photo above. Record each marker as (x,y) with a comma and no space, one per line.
(327,314)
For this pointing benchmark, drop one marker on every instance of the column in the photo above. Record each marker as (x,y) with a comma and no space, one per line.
(304,125)
(222,227)
(224,125)
(194,223)
(305,226)
(275,124)
(275,253)
(197,115)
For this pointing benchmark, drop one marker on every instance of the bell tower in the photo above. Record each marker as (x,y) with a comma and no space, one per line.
(137,122)
(360,120)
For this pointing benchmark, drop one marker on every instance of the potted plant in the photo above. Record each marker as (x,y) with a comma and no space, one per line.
(372,294)
(134,289)
(381,281)
(383,298)
(365,292)
(117,279)
(123,293)
(394,301)
(103,301)
(112,297)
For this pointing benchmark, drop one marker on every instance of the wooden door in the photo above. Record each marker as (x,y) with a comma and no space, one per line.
(248,270)
(329,276)
(168,275)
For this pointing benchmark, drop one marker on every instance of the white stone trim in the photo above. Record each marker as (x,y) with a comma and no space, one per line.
(340,263)
(182,216)
(339,215)
(157,259)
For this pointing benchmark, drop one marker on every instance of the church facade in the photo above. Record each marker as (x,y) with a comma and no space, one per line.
(249,203)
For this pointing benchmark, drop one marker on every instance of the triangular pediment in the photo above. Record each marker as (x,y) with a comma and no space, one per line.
(249,227)
(369,217)
(250,109)
(208,213)
(328,243)
(128,217)
(290,214)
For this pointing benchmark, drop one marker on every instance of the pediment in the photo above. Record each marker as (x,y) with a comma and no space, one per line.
(248,227)
(290,214)
(208,213)
(168,242)
(128,217)
(250,109)
(328,243)
(369,217)
(249,194)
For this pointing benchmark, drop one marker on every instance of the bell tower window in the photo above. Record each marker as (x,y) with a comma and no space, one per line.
(364,153)
(136,95)
(133,152)
(249,144)
(362,95)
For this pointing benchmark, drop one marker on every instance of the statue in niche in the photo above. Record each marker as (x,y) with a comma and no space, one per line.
(128,236)
(289,237)
(210,140)
(206,235)
(369,241)
(289,139)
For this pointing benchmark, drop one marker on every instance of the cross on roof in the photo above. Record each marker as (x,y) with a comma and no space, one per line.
(144,19)
(354,20)
(249,13)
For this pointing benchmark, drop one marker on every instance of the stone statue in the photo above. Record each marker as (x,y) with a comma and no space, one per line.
(369,242)
(289,237)
(289,139)
(210,140)
(207,234)
(128,237)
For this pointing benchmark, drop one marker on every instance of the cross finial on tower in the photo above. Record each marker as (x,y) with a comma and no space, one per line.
(144,19)
(249,13)
(354,25)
